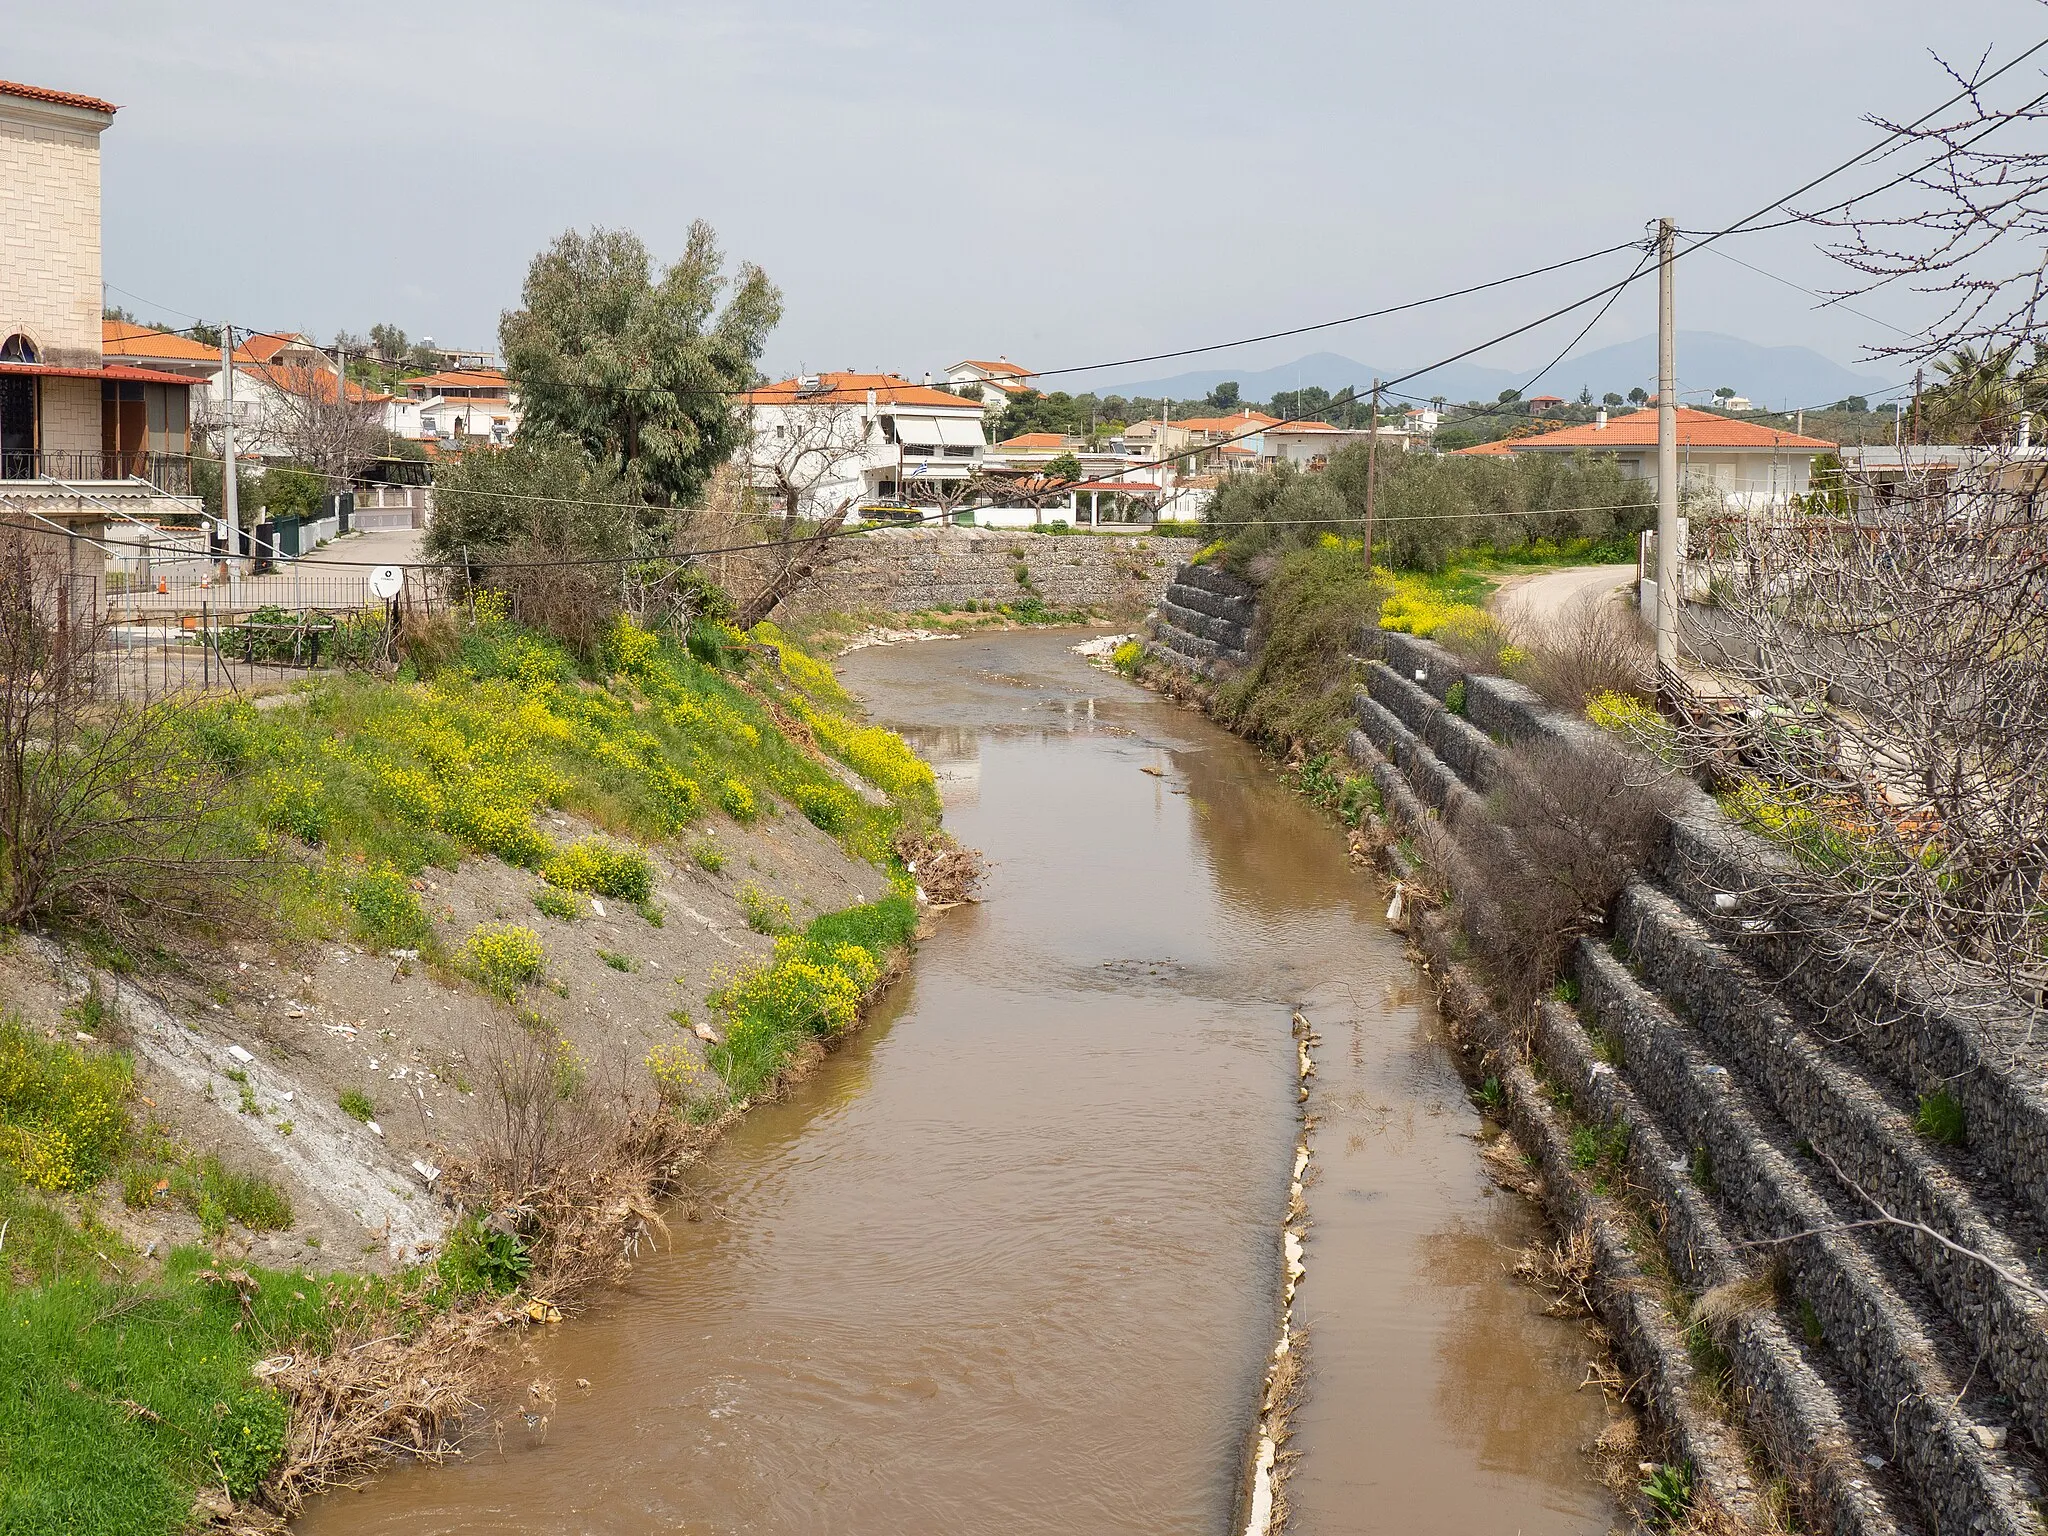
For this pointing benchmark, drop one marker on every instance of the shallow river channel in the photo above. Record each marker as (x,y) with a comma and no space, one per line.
(1010,1262)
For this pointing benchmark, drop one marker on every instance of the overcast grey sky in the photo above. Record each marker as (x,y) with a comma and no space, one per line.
(1059,182)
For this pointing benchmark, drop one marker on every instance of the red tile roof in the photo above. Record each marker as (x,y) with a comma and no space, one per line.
(1487,450)
(119,338)
(1696,429)
(1302,426)
(852,389)
(126,375)
(1009,368)
(311,379)
(57,98)
(263,346)
(459,378)
(1030,440)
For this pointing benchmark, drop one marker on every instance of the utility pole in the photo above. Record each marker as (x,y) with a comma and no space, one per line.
(1372,448)
(1667,461)
(1918,374)
(230,503)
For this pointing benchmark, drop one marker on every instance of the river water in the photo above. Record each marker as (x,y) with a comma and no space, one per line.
(1010,1261)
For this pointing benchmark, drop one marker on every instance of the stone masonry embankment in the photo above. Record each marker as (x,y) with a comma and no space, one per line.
(1205,619)
(1888,1357)
(904,570)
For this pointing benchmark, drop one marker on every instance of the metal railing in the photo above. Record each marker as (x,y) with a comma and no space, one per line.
(169,473)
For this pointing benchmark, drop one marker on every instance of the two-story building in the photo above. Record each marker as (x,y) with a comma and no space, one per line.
(997,383)
(875,440)
(457,406)
(82,439)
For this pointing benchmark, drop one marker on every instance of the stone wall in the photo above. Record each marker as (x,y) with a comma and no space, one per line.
(50,210)
(903,570)
(1752,1085)
(1205,619)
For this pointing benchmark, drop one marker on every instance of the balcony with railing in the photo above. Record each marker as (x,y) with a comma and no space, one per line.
(168,473)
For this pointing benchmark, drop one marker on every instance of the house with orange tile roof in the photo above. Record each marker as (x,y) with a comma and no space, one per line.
(998,382)
(80,433)
(456,405)
(866,440)
(1743,464)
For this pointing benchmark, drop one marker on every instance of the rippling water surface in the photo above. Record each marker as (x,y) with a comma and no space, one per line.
(1009,1261)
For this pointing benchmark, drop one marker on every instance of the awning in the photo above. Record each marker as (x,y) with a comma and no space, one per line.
(958,432)
(918,431)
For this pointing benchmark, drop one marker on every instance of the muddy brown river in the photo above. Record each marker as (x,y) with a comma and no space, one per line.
(1010,1261)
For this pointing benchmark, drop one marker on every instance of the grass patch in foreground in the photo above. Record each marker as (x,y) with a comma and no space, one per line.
(811,989)
(118,1403)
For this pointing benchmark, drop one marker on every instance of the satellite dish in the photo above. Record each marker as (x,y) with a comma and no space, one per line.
(387,581)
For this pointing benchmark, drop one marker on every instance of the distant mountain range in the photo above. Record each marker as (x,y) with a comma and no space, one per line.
(1780,378)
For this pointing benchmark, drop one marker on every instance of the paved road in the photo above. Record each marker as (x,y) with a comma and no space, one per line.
(1544,594)
(332,576)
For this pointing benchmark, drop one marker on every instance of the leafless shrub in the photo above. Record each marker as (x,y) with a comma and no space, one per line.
(537,1110)
(1594,645)
(107,810)
(1895,735)
(1961,216)
(1581,817)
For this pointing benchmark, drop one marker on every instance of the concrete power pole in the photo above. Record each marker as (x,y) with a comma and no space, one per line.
(1667,462)
(230,502)
(1372,447)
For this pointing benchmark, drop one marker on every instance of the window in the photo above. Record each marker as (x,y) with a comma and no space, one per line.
(19,349)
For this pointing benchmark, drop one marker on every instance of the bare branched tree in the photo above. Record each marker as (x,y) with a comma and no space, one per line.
(806,460)
(106,810)
(1896,736)
(330,425)
(1964,218)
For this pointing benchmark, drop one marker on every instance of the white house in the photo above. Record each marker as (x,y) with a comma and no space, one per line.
(874,439)
(1745,464)
(997,381)
(457,406)
(1309,444)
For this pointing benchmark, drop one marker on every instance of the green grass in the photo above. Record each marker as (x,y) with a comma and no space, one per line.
(764,913)
(707,856)
(557,904)
(118,1401)
(1940,1118)
(374,783)
(162,1174)
(812,988)
(618,962)
(356,1105)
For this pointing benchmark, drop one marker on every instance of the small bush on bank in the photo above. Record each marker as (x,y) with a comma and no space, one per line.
(356,1105)
(596,867)
(503,957)
(1594,648)
(480,1261)
(1298,688)
(559,905)
(387,913)
(811,989)
(738,799)
(62,1115)
(1583,819)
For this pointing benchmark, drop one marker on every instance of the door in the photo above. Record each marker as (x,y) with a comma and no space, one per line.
(17,427)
